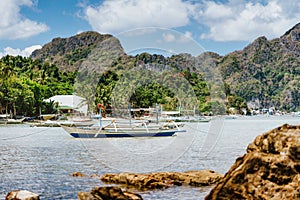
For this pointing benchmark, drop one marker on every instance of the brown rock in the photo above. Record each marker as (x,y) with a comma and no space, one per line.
(269,170)
(21,195)
(86,196)
(162,180)
(78,174)
(95,176)
(201,178)
(108,193)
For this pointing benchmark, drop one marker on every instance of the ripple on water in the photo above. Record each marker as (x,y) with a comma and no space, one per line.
(42,159)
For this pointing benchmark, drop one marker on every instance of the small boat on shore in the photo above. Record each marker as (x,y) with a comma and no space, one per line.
(50,123)
(115,130)
(48,116)
(16,121)
(5,120)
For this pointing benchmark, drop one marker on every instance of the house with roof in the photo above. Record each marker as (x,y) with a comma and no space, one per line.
(70,103)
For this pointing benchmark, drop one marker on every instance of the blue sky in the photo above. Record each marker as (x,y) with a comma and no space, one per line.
(172,26)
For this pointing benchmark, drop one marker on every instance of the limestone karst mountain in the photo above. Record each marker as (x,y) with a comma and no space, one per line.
(265,73)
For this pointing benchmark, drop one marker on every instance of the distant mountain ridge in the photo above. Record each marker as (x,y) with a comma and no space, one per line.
(69,53)
(266,72)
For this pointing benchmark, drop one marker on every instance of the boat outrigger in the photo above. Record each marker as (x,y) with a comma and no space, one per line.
(115,130)
(120,130)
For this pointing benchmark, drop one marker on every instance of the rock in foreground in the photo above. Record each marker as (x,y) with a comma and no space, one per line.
(269,170)
(78,174)
(162,180)
(21,195)
(108,193)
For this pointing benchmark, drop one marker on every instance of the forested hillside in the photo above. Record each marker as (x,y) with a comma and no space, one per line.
(267,72)
(25,83)
(264,74)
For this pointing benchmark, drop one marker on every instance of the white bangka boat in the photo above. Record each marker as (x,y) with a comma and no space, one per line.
(120,130)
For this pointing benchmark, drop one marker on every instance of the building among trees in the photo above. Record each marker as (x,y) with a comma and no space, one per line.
(69,104)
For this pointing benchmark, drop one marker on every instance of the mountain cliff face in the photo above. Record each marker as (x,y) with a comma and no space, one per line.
(291,40)
(69,53)
(266,72)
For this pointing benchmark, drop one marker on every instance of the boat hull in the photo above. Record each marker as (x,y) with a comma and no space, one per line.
(122,135)
(92,133)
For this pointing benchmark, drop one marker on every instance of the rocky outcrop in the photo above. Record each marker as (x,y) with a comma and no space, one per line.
(162,180)
(291,39)
(108,193)
(21,195)
(78,174)
(269,170)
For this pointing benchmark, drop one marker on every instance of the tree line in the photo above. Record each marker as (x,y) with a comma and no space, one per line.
(25,83)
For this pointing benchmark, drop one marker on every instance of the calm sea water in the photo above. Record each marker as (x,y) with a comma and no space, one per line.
(42,159)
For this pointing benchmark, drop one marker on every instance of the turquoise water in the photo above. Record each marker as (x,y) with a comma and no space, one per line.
(42,159)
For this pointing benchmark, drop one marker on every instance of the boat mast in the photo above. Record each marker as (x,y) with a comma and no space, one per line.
(129,108)
(156,107)
(100,117)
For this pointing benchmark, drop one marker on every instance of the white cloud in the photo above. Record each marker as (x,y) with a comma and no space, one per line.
(79,32)
(244,21)
(186,37)
(168,37)
(117,16)
(15,52)
(15,26)
(138,32)
(217,11)
(232,20)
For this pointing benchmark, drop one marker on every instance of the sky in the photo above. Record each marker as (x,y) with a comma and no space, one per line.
(156,26)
